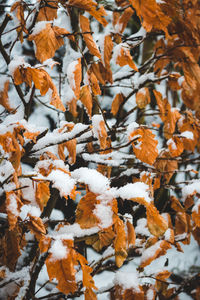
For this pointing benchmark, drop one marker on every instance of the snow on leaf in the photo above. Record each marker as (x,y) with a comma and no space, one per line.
(18,9)
(146,147)
(158,249)
(90,177)
(85,27)
(13,204)
(137,191)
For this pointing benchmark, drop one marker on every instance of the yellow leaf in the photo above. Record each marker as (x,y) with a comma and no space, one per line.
(146,147)
(85,27)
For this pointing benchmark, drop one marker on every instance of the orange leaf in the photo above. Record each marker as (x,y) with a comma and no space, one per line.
(94,83)
(47,13)
(123,20)
(47,41)
(146,148)
(4,101)
(131,236)
(74,74)
(90,295)
(91,7)
(42,194)
(70,145)
(168,116)
(44,243)
(85,27)
(88,281)
(10,249)
(118,100)
(157,225)
(102,74)
(107,51)
(42,81)
(166,165)
(123,57)
(63,269)
(36,226)
(151,15)
(175,146)
(120,243)
(143,98)
(86,98)
(196,215)
(84,212)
